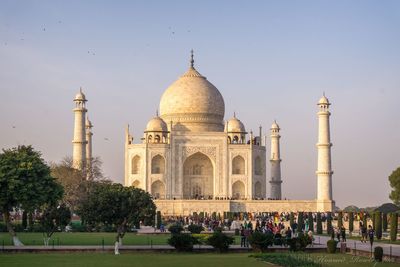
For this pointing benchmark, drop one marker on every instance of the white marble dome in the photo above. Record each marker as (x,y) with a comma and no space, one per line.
(156,124)
(192,103)
(235,126)
(80,96)
(323,101)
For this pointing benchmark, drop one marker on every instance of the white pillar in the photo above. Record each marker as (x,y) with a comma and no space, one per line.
(89,134)
(79,142)
(324,171)
(275,160)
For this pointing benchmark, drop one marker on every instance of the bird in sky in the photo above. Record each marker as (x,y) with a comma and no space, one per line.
(106,139)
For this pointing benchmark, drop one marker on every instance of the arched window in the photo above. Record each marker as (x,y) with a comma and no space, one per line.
(150,138)
(235,139)
(158,165)
(157,139)
(229,140)
(238,165)
(136,164)
(238,190)
(258,166)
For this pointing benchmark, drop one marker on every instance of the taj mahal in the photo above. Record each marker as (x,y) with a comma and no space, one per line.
(192,160)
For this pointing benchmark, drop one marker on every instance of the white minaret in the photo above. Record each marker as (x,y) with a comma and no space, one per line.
(79,142)
(324,171)
(276,191)
(89,134)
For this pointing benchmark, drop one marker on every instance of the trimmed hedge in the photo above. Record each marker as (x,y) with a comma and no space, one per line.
(310,222)
(340,219)
(175,228)
(220,241)
(384,222)
(260,241)
(195,228)
(351,221)
(378,225)
(378,254)
(182,242)
(331,246)
(319,224)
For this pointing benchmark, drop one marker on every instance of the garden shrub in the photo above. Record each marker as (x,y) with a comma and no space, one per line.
(237,231)
(299,243)
(351,221)
(288,259)
(195,228)
(300,222)
(331,246)
(260,241)
(319,224)
(310,221)
(378,225)
(384,222)
(201,238)
(182,242)
(175,228)
(220,241)
(378,254)
(329,227)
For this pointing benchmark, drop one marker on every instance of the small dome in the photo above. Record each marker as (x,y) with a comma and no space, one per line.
(80,96)
(235,126)
(275,125)
(323,101)
(88,123)
(156,124)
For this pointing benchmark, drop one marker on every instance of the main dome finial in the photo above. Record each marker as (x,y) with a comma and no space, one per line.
(191,59)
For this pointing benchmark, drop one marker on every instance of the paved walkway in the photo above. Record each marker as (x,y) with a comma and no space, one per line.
(388,249)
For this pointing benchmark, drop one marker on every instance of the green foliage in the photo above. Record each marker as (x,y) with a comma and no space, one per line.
(340,219)
(201,238)
(182,242)
(378,225)
(220,241)
(25,219)
(331,246)
(329,227)
(299,243)
(300,222)
(260,241)
(364,219)
(175,228)
(310,221)
(351,221)
(115,205)
(393,226)
(195,228)
(25,182)
(159,220)
(291,219)
(384,222)
(378,254)
(290,260)
(319,224)
(54,217)
(394,180)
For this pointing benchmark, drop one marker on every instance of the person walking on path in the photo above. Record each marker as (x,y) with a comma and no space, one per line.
(371,234)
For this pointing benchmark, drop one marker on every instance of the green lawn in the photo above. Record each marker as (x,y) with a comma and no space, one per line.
(129,259)
(89,239)
(171,260)
(328,260)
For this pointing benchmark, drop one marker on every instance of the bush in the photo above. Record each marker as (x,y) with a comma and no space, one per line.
(299,243)
(319,224)
(260,241)
(159,220)
(331,246)
(291,219)
(195,228)
(78,227)
(300,222)
(393,226)
(201,238)
(175,228)
(378,254)
(220,241)
(310,222)
(329,227)
(182,242)
(237,231)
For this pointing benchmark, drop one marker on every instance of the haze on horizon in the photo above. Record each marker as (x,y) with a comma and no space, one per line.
(269,59)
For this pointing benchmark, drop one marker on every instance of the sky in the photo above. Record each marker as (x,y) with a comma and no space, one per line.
(269,59)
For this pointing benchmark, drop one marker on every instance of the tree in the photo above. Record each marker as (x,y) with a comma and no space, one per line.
(25,183)
(118,206)
(52,218)
(319,224)
(384,222)
(329,228)
(351,221)
(393,226)
(76,182)
(378,225)
(340,219)
(310,221)
(300,222)
(291,219)
(394,180)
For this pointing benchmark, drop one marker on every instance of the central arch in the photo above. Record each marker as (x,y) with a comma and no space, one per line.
(158,190)
(198,177)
